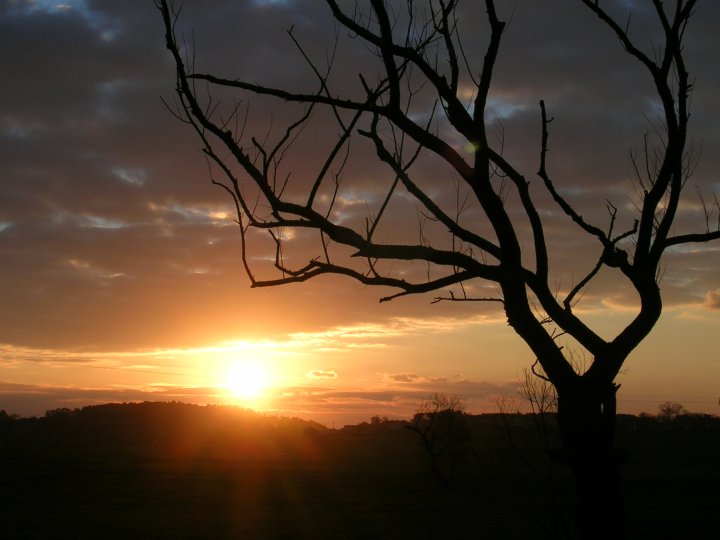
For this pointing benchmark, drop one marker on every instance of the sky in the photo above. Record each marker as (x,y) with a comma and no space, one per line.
(121,277)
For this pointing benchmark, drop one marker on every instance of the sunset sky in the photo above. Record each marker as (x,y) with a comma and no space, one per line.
(121,277)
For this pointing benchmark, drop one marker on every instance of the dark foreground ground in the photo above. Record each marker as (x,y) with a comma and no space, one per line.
(173,471)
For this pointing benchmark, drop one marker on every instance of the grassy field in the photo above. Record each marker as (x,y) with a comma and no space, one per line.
(301,481)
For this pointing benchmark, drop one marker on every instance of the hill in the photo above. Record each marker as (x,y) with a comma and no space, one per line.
(178,471)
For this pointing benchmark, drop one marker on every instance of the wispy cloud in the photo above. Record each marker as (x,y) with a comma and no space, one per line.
(375,333)
(342,338)
(131,176)
(712,299)
(217,216)
(321,374)
(403,377)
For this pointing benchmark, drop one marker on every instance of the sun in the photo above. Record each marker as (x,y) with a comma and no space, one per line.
(246,381)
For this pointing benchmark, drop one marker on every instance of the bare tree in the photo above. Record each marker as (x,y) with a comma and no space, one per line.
(539,392)
(422,64)
(440,423)
(670,410)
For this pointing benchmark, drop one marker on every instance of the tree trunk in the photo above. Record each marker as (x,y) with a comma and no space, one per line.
(586,418)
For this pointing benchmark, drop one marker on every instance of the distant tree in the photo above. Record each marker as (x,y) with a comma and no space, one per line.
(423,67)
(536,389)
(6,420)
(440,423)
(61,412)
(670,410)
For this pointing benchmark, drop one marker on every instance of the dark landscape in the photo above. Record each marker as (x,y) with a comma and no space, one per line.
(177,471)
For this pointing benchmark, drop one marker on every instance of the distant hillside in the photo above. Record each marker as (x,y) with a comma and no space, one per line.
(174,429)
(181,429)
(171,471)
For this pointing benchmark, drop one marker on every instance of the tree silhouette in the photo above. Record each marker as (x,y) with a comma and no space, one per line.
(439,422)
(422,65)
(670,410)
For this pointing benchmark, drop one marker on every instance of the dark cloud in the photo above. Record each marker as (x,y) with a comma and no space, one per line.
(403,377)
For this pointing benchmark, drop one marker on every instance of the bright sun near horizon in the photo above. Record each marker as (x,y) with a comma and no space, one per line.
(246,380)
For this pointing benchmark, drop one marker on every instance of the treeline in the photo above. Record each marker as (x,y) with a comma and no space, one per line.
(170,428)
(174,470)
(180,429)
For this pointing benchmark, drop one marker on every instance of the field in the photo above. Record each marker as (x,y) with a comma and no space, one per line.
(173,471)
